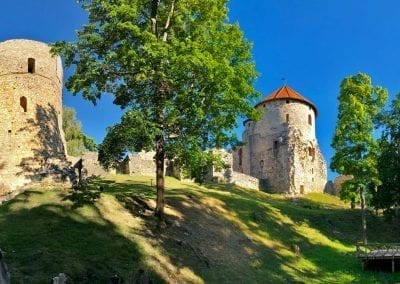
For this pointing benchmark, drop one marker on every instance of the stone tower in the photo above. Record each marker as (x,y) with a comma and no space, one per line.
(32,146)
(281,149)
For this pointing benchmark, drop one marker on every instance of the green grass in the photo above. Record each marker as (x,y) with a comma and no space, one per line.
(215,234)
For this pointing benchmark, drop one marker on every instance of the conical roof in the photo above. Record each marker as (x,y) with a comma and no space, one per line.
(287,93)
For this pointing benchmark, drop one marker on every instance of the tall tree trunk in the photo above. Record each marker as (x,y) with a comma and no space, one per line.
(160,157)
(363,217)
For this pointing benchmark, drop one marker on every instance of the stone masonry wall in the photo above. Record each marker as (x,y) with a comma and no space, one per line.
(308,172)
(32,144)
(220,174)
(243,180)
(90,165)
(277,149)
(139,163)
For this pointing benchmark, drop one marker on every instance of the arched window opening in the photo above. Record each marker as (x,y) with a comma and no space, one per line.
(287,101)
(287,117)
(309,119)
(240,153)
(23,103)
(31,65)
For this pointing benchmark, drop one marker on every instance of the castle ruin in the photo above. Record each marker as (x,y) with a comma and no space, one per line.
(281,149)
(280,152)
(32,145)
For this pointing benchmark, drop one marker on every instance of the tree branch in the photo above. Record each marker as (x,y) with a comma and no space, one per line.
(167,23)
(153,16)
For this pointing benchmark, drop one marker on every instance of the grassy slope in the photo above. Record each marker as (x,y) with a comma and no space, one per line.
(214,234)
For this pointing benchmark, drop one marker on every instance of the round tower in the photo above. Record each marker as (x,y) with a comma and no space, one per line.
(286,108)
(31,137)
(281,148)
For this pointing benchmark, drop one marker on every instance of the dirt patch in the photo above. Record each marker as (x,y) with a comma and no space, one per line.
(196,236)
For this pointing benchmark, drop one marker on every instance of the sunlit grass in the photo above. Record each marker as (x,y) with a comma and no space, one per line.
(92,235)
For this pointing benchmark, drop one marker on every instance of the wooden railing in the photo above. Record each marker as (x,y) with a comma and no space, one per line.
(364,250)
(378,253)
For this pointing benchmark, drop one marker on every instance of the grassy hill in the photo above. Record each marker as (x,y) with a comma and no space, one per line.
(213,234)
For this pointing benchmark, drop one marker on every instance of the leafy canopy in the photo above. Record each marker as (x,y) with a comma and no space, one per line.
(77,141)
(183,72)
(388,193)
(355,147)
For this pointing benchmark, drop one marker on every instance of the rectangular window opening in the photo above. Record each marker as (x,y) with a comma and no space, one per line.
(31,65)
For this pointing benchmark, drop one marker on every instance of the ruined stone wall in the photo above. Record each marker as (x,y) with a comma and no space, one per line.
(90,165)
(228,175)
(243,180)
(139,163)
(275,148)
(31,139)
(308,172)
(223,174)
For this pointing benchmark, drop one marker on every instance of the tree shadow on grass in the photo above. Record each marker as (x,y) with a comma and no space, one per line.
(225,235)
(48,238)
(199,238)
(331,226)
(90,192)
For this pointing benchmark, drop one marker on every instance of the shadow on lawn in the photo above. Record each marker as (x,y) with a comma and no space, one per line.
(335,224)
(89,193)
(48,239)
(203,238)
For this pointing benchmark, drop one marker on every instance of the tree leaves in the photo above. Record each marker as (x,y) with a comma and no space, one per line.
(200,79)
(355,147)
(77,141)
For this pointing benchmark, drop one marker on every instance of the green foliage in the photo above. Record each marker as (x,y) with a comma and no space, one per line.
(197,163)
(134,132)
(104,237)
(387,194)
(77,141)
(184,80)
(355,147)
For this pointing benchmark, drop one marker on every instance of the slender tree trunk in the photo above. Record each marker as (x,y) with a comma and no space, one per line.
(167,23)
(153,16)
(363,217)
(160,145)
(160,157)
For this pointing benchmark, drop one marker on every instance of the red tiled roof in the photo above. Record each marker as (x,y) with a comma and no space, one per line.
(287,93)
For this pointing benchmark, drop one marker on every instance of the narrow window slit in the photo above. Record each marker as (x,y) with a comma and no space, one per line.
(23,103)
(31,65)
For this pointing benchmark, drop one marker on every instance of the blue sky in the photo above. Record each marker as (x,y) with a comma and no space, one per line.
(314,44)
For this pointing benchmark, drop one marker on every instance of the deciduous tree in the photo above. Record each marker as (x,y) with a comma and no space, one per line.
(77,141)
(182,71)
(387,194)
(355,147)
